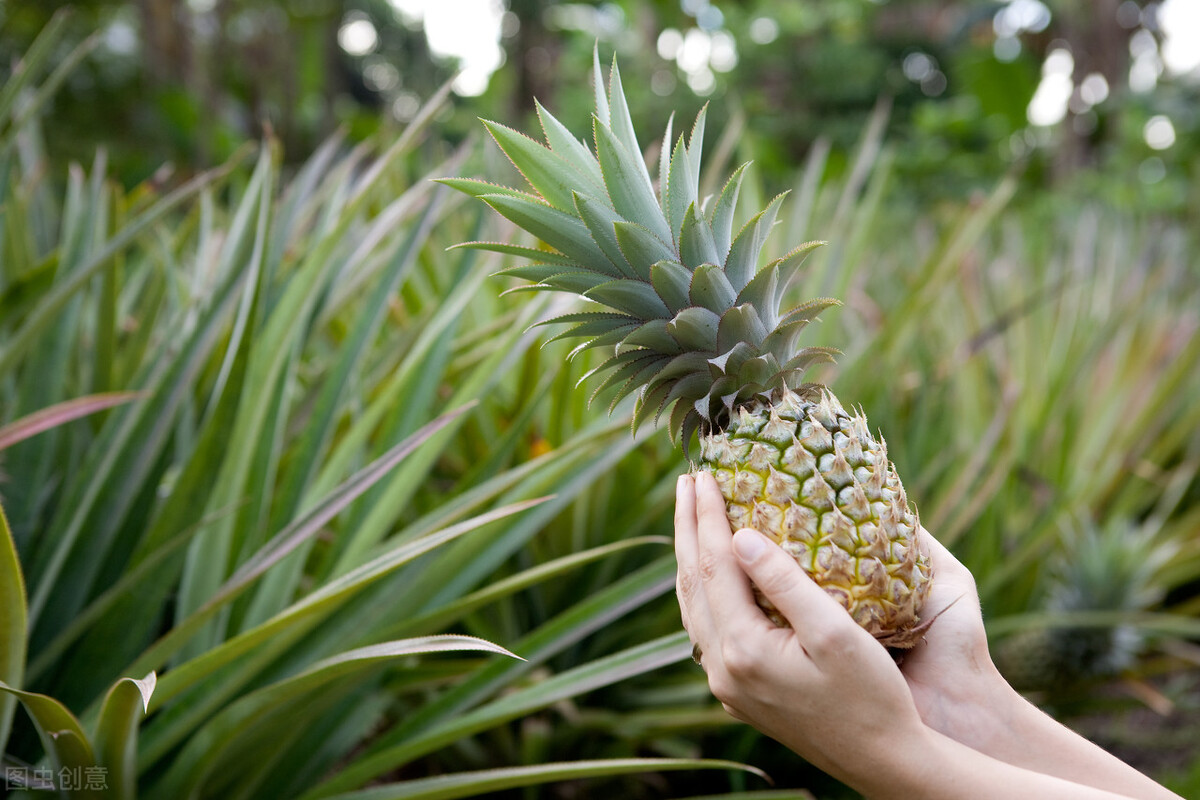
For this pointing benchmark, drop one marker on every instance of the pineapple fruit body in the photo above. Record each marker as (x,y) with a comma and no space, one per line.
(812,477)
(692,323)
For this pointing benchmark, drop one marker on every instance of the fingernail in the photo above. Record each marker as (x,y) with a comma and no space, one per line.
(749,544)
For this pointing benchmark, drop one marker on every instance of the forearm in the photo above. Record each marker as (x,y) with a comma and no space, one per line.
(1000,723)
(935,767)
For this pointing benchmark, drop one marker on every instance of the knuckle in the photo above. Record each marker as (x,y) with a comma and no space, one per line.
(830,639)
(739,663)
(708,566)
(776,578)
(721,687)
(685,584)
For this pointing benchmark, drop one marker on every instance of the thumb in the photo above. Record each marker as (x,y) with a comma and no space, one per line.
(782,581)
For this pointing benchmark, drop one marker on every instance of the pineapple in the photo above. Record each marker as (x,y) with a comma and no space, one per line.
(693,325)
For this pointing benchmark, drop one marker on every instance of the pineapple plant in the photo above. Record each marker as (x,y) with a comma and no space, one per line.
(1113,569)
(693,324)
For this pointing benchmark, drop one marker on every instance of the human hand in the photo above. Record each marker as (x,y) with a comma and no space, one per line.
(824,687)
(944,725)
(956,687)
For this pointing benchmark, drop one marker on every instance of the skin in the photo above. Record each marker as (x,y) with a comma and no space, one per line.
(945,724)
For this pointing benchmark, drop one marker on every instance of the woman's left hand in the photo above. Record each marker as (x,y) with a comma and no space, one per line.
(823,687)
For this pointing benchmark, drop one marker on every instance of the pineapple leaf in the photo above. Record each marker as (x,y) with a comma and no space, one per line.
(740,324)
(598,86)
(564,232)
(544,170)
(711,289)
(641,247)
(652,335)
(808,311)
(810,356)
(620,123)
(575,152)
(759,370)
(613,337)
(577,282)
(531,272)
(619,367)
(649,404)
(679,412)
(679,193)
(722,214)
(789,267)
(664,162)
(742,261)
(647,366)
(590,328)
(680,366)
(629,185)
(600,219)
(795,257)
(529,287)
(782,340)
(584,316)
(695,149)
(481,189)
(696,244)
(691,423)
(696,329)
(631,297)
(671,280)
(760,293)
(532,253)
(729,363)
(688,387)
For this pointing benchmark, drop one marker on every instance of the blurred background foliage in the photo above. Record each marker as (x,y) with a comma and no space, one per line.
(1099,96)
(223,206)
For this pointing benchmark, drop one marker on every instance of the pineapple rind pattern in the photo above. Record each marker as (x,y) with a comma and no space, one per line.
(812,477)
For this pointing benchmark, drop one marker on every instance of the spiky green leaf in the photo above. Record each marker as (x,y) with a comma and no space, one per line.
(545,171)
(504,248)
(600,220)
(711,289)
(642,248)
(723,211)
(696,243)
(672,281)
(745,252)
(565,232)
(629,185)
(564,143)
(696,328)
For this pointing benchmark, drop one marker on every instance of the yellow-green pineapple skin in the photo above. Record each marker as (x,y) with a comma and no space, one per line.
(812,477)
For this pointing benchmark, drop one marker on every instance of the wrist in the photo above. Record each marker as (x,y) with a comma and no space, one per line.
(975,707)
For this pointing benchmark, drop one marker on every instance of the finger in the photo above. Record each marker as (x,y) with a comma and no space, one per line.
(726,588)
(823,627)
(692,606)
(946,568)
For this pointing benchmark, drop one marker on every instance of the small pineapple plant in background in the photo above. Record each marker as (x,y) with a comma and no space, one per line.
(695,328)
(1110,570)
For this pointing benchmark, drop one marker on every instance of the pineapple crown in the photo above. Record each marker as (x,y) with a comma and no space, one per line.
(694,325)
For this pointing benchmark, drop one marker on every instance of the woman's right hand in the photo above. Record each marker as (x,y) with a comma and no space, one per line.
(957,689)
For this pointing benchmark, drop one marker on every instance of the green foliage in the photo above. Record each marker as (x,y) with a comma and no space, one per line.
(269,450)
